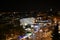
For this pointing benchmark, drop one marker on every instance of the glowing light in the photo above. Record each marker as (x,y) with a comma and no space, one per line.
(59,32)
(41,30)
(28,29)
(29,34)
(36,26)
(25,37)
(32,26)
(55,19)
(25,23)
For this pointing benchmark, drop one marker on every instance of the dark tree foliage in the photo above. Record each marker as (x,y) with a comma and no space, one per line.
(9,22)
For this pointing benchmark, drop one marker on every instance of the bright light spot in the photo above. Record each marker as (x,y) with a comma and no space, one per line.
(36,26)
(28,29)
(59,32)
(44,24)
(25,29)
(41,30)
(25,23)
(29,34)
(25,37)
(32,26)
(59,27)
(55,19)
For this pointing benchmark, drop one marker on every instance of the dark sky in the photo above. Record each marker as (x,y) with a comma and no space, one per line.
(29,5)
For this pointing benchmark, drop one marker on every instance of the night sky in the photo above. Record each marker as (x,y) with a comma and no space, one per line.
(29,5)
